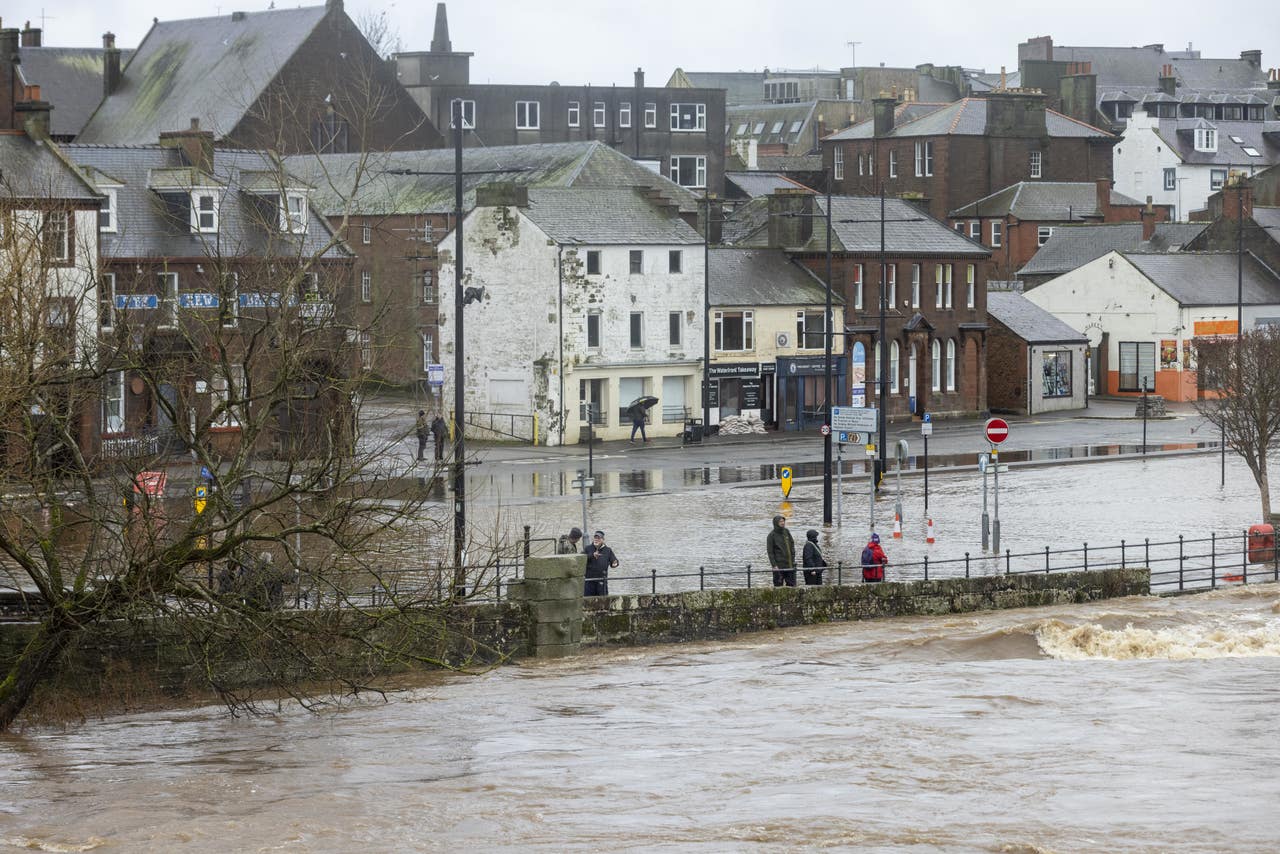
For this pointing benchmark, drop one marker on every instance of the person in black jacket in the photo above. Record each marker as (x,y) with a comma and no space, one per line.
(782,553)
(814,562)
(600,559)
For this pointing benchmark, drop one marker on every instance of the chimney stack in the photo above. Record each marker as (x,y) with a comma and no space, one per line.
(1237,198)
(34,113)
(1253,57)
(1103,194)
(196,145)
(110,64)
(1148,220)
(639,78)
(1273,80)
(883,110)
(31,36)
(1168,83)
(790,218)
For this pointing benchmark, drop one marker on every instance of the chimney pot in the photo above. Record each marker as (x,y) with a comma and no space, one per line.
(30,36)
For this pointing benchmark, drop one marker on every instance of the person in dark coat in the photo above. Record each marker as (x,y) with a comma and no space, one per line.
(637,413)
(814,562)
(570,543)
(600,559)
(422,431)
(874,561)
(782,553)
(439,430)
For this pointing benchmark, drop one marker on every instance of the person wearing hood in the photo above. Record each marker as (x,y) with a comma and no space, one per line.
(813,560)
(874,560)
(782,553)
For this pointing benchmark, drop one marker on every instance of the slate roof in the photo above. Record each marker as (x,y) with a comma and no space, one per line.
(981,81)
(757,277)
(791,163)
(1208,278)
(1268,218)
(70,78)
(1139,67)
(1029,321)
(1263,137)
(967,117)
(784,117)
(740,87)
(1060,201)
(34,169)
(755,184)
(213,69)
(1074,246)
(561,164)
(146,227)
(605,216)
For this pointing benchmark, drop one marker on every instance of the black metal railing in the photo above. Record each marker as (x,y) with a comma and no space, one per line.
(517,426)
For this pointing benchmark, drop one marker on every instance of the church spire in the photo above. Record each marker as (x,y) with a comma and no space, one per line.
(440,41)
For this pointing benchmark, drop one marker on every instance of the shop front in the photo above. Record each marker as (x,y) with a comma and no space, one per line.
(736,389)
(801,390)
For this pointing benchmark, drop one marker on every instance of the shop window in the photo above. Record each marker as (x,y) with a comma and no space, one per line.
(1057,373)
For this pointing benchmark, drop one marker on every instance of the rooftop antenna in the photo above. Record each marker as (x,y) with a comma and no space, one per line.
(853,53)
(44,19)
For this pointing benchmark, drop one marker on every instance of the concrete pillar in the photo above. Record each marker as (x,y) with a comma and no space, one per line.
(552,595)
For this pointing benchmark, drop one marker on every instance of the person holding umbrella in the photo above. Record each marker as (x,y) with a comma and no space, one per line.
(638,409)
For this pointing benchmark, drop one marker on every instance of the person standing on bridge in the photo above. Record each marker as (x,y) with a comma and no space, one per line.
(422,431)
(874,561)
(814,562)
(782,553)
(439,430)
(600,559)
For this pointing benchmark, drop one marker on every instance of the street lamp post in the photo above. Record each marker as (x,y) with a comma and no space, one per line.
(882,377)
(828,332)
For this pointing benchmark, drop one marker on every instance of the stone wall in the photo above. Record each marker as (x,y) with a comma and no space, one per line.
(708,614)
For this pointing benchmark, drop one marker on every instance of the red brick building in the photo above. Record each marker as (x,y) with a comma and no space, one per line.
(965,151)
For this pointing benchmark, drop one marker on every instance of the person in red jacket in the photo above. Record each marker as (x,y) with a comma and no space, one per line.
(874,560)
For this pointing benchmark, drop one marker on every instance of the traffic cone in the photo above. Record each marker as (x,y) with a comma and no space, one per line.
(928,536)
(897,526)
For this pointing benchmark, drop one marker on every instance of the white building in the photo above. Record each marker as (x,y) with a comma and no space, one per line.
(1182,161)
(1142,313)
(582,301)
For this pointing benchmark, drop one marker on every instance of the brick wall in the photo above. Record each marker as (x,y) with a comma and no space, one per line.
(1006,370)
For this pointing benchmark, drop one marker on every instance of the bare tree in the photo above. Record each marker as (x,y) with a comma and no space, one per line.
(1243,397)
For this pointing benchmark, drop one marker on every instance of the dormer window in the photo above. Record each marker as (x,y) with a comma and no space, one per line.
(1206,139)
(293,213)
(204,212)
(107,211)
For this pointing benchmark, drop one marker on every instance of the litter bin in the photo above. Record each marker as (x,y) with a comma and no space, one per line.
(692,431)
(1262,544)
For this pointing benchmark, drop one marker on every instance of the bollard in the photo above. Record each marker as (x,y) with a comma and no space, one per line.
(702,578)
(526,540)
(1008,561)
(748,576)
(926,567)
(1086,557)
(653,575)
(1046,560)
(1122,554)
(928,536)
(839,572)
(966,564)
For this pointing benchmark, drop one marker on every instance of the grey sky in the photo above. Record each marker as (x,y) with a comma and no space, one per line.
(603,41)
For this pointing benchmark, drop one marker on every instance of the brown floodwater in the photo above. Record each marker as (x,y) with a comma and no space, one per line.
(1141,724)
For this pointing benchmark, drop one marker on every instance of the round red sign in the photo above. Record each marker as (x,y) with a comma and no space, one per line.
(997,430)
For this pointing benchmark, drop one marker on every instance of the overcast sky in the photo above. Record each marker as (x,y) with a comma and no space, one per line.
(603,41)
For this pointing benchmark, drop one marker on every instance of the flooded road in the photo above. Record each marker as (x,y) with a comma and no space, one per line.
(1138,725)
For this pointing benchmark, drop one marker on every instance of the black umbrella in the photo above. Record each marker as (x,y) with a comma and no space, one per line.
(648,402)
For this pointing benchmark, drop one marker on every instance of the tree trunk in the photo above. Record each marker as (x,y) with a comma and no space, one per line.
(34,665)
(1264,485)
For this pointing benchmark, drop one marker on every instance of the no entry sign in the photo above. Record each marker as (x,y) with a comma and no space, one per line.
(997,430)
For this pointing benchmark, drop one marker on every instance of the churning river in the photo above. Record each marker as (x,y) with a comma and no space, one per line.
(1140,724)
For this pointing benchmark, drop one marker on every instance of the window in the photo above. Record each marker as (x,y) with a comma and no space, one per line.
(624,114)
(637,262)
(428,345)
(366,286)
(56,232)
(675,261)
(947,269)
(366,234)
(107,300)
(366,351)
(293,216)
(593,330)
(924,159)
(527,115)
(734,330)
(915,285)
(651,115)
(958,226)
(796,125)
(227,394)
(937,286)
(936,379)
(1137,365)
(575,114)
(229,300)
(1043,233)
(857,287)
(168,285)
(1217,177)
(468,114)
(1037,164)
(810,330)
(107,211)
(637,330)
(113,403)
(1171,179)
(871,164)
(1056,373)
(975,229)
(997,234)
(689,171)
(891,299)
(599,113)
(951,364)
(758,129)
(1206,139)
(428,287)
(1251,151)
(893,163)
(838,164)
(894,356)
(742,129)
(675,329)
(777,128)
(862,164)
(593,262)
(689,117)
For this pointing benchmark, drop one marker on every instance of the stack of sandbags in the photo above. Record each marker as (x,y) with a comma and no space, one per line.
(740,425)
